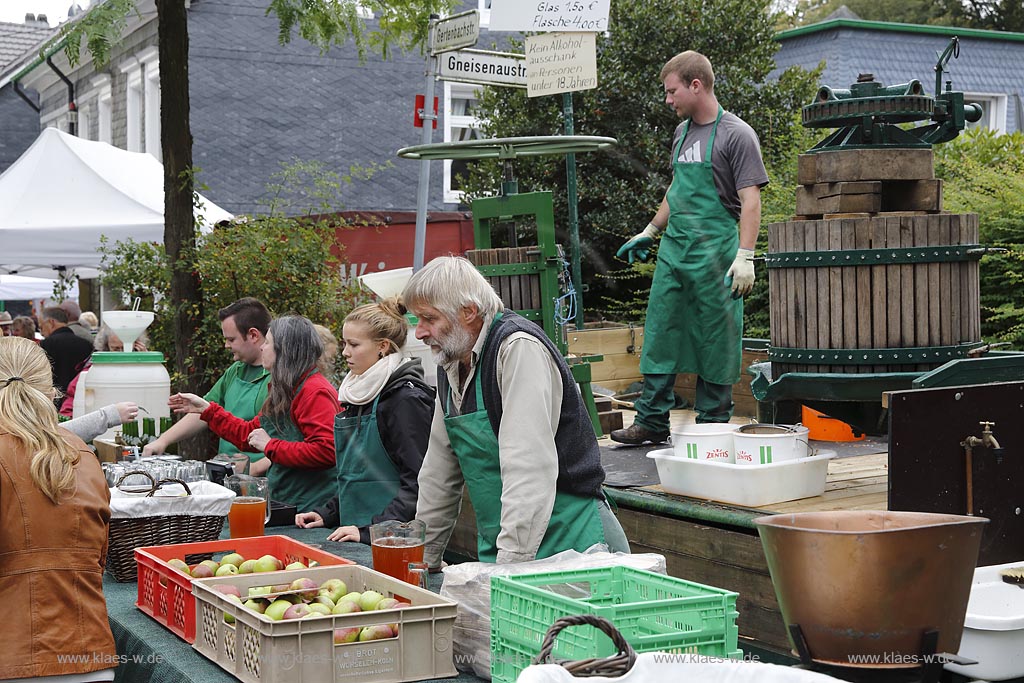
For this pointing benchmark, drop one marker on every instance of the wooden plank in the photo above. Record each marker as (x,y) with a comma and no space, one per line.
(775,285)
(955,269)
(921,296)
(807,201)
(849,290)
(862,239)
(879,294)
(871,164)
(835,283)
(934,287)
(824,291)
(597,342)
(974,284)
(821,190)
(798,294)
(894,323)
(912,195)
(906,239)
(945,289)
(806,169)
(616,366)
(811,295)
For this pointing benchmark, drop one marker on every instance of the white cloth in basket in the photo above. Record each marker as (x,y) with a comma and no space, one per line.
(658,667)
(207,499)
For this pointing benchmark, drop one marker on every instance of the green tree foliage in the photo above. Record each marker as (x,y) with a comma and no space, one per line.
(286,262)
(984,174)
(620,189)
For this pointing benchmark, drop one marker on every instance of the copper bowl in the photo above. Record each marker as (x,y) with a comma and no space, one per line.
(864,586)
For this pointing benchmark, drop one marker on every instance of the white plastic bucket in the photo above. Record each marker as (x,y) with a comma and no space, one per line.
(138,377)
(707,441)
(764,444)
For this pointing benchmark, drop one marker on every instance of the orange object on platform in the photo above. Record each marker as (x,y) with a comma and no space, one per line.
(826,428)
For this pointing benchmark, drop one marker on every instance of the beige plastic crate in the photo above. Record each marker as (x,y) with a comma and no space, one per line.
(256,649)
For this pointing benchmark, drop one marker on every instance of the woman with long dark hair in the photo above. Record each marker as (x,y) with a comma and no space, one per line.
(294,428)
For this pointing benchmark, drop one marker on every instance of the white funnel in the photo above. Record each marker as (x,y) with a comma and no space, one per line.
(387,283)
(128,325)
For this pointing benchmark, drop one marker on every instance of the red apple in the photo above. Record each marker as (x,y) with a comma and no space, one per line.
(227,589)
(346,635)
(345,607)
(376,632)
(296,611)
(308,587)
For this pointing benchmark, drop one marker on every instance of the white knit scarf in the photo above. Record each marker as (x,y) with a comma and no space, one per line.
(362,389)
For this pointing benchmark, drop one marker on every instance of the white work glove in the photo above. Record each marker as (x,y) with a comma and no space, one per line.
(742,272)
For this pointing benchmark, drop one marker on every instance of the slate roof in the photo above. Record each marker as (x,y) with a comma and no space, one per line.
(990,62)
(17,39)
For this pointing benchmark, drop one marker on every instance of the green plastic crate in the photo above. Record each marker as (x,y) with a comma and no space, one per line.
(655,613)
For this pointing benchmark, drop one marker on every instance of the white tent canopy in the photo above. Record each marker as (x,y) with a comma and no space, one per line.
(64,192)
(20,288)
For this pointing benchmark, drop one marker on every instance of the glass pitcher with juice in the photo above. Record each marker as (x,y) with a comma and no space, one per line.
(250,510)
(394,545)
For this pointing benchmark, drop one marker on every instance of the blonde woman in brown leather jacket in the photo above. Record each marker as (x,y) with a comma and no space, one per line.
(54,512)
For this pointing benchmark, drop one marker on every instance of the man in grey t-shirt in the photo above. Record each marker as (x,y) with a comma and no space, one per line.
(695,312)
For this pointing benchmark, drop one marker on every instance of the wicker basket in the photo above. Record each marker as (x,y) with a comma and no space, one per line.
(126,535)
(615,665)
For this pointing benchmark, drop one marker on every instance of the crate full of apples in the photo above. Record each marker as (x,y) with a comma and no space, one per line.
(166,572)
(340,623)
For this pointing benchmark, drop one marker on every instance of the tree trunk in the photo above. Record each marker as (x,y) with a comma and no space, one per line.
(179,223)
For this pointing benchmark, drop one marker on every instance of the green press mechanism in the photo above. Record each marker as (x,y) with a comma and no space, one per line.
(869,113)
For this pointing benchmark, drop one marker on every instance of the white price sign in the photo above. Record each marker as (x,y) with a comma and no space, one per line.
(556,15)
(560,62)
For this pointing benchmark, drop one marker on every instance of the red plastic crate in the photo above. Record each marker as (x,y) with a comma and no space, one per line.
(165,594)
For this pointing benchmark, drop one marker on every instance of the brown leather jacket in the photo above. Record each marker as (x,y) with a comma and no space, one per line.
(51,569)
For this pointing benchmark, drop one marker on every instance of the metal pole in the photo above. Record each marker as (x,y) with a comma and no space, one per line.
(574,223)
(427,116)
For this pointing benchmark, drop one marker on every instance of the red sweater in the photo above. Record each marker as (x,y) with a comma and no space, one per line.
(313,412)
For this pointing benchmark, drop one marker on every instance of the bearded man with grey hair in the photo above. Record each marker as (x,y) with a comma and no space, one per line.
(509,424)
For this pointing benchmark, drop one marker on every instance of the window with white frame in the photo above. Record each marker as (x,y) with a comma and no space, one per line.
(85,117)
(149,59)
(104,112)
(460,123)
(133,104)
(485,12)
(993,111)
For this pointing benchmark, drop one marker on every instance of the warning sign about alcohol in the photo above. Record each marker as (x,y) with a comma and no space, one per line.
(560,62)
(558,15)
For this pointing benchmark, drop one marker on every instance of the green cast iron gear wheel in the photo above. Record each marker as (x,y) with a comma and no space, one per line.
(850,112)
(508,148)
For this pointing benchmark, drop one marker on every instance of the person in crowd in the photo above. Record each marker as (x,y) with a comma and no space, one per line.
(75,324)
(327,364)
(242,389)
(91,322)
(509,425)
(55,511)
(67,351)
(24,326)
(106,340)
(381,435)
(293,429)
(6,323)
(705,265)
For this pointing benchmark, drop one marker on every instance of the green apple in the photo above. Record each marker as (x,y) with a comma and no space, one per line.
(318,608)
(232,558)
(247,567)
(267,563)
(308,587)
(346,635)
(334,589)
(368,601)
(256,591)
(296,565)
(353,596)
(296,611)
(180,565)
(230,618)
(346,606)
(324,599)
(276,609)
(388,603)
(226,570)
(376,632)
(257,606)
(212,564)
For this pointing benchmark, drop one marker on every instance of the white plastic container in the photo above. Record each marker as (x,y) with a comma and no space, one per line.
(994,627)
(741,484)
(708,441)
(128,325)
(414,348)
(385,283)
(78,403)
(139,377)
(764,444)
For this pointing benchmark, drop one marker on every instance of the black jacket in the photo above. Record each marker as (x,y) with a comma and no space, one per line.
(67,352)
(404,414)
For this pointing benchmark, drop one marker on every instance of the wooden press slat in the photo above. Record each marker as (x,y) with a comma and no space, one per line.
(956,268)
(907,284)
(921,296)
(774,284)
(835,283)
(850,289)
(824,291)
(934,289)
(947,310)
(894,284)
(864,305)
(879,294)
(811,293)
(798,301)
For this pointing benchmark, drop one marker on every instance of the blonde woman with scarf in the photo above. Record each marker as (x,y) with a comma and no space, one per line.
(381,434)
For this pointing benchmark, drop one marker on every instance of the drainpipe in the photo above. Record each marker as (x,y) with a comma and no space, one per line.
(72,108)
(23,95)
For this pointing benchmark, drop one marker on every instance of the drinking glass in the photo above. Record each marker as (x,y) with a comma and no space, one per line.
(394,545)
(250,510)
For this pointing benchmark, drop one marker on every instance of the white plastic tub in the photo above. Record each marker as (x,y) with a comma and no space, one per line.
(764,444)
(994,627)
(708,441)
(387,283)
(741,484)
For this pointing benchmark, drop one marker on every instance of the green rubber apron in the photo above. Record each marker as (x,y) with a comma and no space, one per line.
(367,478)
(243,398)
(575,521)
(693,323)
(305,489)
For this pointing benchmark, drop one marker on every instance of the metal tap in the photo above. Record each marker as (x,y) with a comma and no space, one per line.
(988,440)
